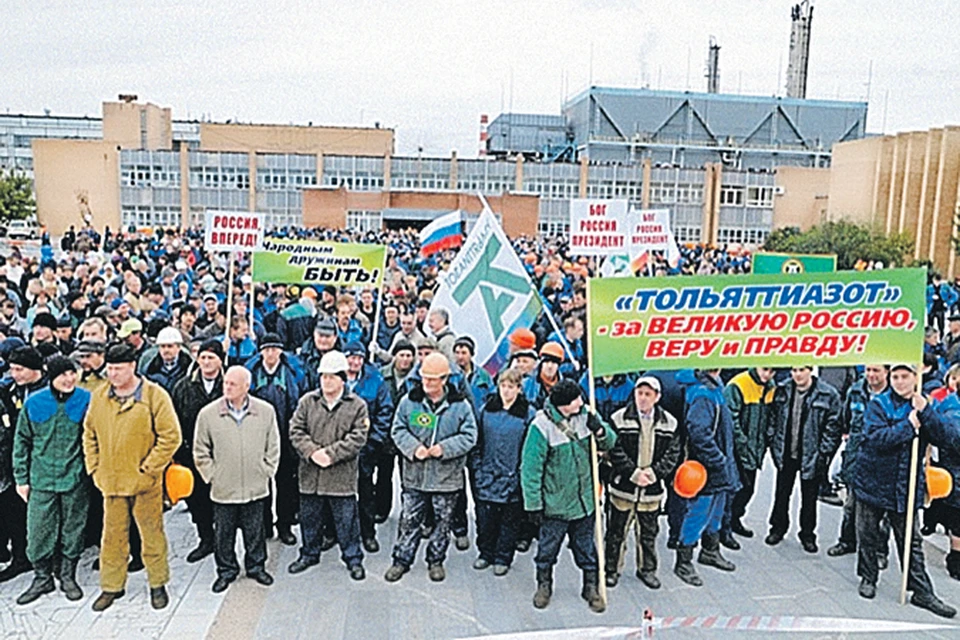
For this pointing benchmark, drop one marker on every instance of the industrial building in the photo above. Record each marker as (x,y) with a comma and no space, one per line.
(137,166)
(905,183)
(728,167)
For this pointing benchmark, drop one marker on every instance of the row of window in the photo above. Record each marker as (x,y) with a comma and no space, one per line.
(676,194)
(752,236)
(141,175)
(281,179)
(751,196)
(149,216)
(364,220)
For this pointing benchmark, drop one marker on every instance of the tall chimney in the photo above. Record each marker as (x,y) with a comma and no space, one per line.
(713,67)
(801,16)
(483,133)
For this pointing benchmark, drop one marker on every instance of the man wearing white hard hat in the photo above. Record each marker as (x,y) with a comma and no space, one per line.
(168,361)
(328,429)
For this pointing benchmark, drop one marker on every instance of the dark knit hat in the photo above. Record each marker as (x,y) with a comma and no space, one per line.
(404,345)
(87,347)
(27,357)
(564,392)
(326,327)
(466,341)
(121,352)
(355,348)
(45,320)
(58,365)
(48,350)
(270,340)
(214,346)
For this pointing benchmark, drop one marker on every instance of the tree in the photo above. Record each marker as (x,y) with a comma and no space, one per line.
(16,196)
(850,242)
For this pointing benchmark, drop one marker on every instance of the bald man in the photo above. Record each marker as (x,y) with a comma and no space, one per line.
(237,450)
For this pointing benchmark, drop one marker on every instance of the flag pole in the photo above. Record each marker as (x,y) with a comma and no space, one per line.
(595,464)
(376,319)
(253,300)
(556,327)
(911,499)
(226,329)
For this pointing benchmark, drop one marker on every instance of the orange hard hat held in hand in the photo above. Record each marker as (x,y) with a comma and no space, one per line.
(690,478)
(178,482)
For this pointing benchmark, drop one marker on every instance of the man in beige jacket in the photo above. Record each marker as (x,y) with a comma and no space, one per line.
(129,436)
(237,451)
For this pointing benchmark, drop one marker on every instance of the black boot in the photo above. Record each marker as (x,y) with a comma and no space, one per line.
(42,582)
(68,579)
(15,568)
(727,540)
(544,588)
(591,591)
(710,554)
(684,567)
(204,549)
(953,564)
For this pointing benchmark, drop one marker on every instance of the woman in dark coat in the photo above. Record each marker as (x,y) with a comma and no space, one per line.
(495,466)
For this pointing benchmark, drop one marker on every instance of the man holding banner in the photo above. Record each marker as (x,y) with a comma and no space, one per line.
(556,475)
(894,419)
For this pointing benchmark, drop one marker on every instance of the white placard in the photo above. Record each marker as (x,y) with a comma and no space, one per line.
(233,231)
(598,227)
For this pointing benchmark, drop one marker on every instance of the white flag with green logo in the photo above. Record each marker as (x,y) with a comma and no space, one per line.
(487,292)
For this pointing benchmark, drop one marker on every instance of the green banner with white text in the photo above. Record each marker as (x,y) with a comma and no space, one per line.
(316,262)
(777,320)
(793,263)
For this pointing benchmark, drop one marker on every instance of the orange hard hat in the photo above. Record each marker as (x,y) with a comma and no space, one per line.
(690,478)
(939,483)
(523,339)
(552,349)
(178,481)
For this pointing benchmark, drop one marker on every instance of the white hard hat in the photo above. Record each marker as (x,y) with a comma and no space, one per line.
(169,335)
(333,362)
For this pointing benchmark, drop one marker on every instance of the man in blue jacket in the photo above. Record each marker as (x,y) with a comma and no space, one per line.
(710,442)
(893,420)
(365,380)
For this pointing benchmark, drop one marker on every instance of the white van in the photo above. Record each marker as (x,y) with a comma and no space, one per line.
(23,230)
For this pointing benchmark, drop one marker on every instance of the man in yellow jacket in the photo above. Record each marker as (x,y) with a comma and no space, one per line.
(129,436)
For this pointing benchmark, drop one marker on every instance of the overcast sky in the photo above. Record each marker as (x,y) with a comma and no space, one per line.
(430,68)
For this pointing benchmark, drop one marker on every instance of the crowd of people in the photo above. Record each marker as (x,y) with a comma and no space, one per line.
(291,405)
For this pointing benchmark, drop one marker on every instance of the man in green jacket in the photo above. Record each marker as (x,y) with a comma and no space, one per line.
(556,476)
(749,396)
(48,470)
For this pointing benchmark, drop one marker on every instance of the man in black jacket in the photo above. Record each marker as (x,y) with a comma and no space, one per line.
(804,433)
(192,393)
(647,450)
(26,378)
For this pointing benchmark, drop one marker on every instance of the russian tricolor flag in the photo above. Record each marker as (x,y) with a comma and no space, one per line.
(442,233)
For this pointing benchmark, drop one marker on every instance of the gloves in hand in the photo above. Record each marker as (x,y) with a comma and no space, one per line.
(535,518)
(595,425)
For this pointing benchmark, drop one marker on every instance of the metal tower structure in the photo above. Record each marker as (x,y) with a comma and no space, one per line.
(713,67)
(801,16)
